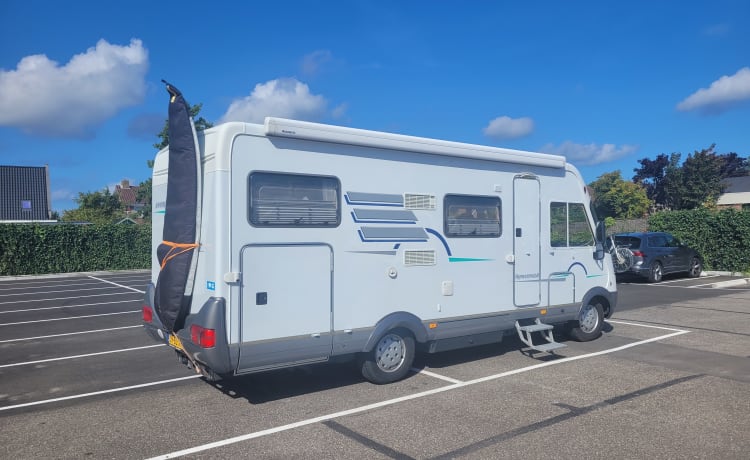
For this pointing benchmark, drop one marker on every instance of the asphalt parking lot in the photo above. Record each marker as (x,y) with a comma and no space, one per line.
(670,378)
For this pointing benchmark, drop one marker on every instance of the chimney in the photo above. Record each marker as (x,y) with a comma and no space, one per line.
(125,183)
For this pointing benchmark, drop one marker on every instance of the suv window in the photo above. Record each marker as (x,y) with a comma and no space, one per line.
(657,241)
(630,242)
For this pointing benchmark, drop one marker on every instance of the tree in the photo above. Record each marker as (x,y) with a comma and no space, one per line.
(144,196)
(616,197)
(701,179)
(694,183)
(200,124)
(96,207)
(732,165)
(651,175)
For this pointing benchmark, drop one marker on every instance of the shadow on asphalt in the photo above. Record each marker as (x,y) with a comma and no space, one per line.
(297,381)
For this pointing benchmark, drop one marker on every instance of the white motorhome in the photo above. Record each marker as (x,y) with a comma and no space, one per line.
(320,241)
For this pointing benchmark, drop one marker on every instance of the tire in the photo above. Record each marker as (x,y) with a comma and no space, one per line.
(696,267)
(390,359)
(656,273)
(590,322)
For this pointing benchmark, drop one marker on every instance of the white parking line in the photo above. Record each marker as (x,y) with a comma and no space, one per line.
(437,376)
(646,325)
(64,290)
(65,298)
(65,306)
(97,393)
(88,355)
(69,333)
(72,317)
(118,285)
(357,410)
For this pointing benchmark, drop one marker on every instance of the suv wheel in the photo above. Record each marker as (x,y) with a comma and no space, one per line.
(656,273)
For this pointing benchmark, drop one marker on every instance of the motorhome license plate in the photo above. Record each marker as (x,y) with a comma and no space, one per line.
(174,342)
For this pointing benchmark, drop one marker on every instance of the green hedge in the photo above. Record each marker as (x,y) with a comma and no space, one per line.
(721,237)
(27,249)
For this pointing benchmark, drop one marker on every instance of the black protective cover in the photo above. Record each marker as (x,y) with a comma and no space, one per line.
(177,252)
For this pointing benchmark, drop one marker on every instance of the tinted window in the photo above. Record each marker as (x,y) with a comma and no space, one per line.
(292,200)
(630,242)
(657,241)
(472,216)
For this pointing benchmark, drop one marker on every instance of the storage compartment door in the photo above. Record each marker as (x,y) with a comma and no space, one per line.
(286,305)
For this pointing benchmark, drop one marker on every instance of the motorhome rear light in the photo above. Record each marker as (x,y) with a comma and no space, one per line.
(203,337)
(148,314)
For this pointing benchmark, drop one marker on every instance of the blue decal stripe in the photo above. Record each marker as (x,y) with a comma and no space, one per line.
(468,259)
(586,272)
(442,240)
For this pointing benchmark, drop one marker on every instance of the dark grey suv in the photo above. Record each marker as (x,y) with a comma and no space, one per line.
(655,254)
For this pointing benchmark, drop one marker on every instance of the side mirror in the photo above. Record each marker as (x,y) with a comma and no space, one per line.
(599,251)
(601,235)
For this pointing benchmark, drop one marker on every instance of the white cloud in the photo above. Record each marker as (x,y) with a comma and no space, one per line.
(722,95)
(283,97)
(43,98)
(313,62)
(340,110)
(589,154)
(508,128)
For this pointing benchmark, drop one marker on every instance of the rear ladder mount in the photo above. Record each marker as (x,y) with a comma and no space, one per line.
(524,333)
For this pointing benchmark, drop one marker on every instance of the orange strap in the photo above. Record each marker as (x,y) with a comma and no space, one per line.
(179,247)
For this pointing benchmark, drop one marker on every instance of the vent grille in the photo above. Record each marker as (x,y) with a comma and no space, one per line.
(417,201)
(412,258)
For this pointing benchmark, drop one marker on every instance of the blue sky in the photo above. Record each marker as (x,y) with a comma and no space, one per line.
(604,83)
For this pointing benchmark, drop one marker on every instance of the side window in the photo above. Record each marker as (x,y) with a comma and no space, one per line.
(569,225)
(657,241)
(558,217)
(472,216)
(293,200)
(578,226)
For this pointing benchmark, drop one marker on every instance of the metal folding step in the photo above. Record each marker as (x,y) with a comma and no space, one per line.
(524,333)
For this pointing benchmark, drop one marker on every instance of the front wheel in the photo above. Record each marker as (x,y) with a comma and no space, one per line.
(696,267)
(391,358)
(590,322)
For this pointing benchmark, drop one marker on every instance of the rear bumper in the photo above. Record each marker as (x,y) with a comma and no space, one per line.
(214,360)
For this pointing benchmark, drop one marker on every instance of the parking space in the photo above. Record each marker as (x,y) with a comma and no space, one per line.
(78,377)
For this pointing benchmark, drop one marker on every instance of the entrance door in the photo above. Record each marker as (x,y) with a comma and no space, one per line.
(526,228)
(286,305)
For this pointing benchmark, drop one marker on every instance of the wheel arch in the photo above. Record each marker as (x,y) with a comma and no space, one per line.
(396,320)
(608,299)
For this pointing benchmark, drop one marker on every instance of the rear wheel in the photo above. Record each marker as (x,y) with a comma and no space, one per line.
(590,322)
(696,267)
(391,358)
(656,273)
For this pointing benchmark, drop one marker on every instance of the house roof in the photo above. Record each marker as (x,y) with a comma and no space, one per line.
(24,193)
(736,192)
(126,193)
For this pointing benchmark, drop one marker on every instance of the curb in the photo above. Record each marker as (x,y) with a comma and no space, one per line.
(731,283)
